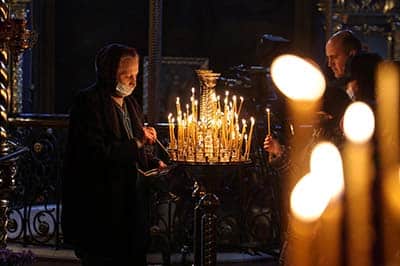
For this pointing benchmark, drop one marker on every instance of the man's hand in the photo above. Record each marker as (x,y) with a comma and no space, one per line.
(272,145)
(150,135)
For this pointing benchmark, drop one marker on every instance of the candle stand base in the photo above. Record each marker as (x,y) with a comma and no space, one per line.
(208,185)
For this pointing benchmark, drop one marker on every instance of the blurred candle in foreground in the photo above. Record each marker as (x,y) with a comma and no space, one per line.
(303,83)
(298,78)
(307,203)
(358,125)
(387,91)
(308,199)
(326,165)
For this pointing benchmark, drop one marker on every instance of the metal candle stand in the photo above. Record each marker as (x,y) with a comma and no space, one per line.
(208,181)
(15,38)
(209,146)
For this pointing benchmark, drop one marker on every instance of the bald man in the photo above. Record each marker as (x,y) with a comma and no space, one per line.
(339,48)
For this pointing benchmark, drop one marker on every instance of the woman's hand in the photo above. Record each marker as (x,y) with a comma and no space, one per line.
(161,165)
(150,135)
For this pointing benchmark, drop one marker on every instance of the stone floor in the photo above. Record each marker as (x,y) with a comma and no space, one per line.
(65,257)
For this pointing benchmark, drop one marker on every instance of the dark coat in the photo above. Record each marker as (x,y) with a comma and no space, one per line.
(102,212)
(99,188)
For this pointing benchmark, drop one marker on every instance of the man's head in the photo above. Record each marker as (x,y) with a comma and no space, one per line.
(339,48)
(117,67)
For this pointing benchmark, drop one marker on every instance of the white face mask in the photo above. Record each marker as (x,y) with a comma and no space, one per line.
(124,90)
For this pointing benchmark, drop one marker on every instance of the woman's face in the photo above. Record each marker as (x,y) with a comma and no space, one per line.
(128,70)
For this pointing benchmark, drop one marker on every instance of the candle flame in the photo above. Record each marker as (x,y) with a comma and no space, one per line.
(297,78)
(359,122)
(326,164)
(308,201)
(210,136)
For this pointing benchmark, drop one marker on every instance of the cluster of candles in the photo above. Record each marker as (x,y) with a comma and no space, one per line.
(216,137)
(316,200)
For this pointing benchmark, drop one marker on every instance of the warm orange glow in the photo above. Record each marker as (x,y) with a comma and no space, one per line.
(297,78)
(388,109)
(326,164)
(308,199)
(359,122)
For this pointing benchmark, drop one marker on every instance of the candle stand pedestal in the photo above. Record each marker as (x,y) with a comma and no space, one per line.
(208,185)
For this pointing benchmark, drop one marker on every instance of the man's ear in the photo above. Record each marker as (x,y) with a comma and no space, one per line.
(352,53)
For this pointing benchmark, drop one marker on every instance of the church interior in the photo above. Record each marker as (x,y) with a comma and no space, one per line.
(223,199)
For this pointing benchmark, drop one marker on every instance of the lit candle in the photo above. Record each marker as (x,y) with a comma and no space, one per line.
(241,138)
(326,165)
(250,137)
(214,106)
(240,105)
(234,104)
(173,132)
(268,121)
(230,147)
(195,110)
(192,104)
(219,104)
(387,90)
(170,130)
(358,127)
(178,106)
(269,131)
(307,203)
(245,145)
(303,89)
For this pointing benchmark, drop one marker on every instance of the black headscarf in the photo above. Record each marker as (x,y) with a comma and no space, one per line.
(107,61)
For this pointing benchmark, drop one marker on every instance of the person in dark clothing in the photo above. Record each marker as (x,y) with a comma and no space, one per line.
(358,78)
(362,75)
(340,49)
(103,212)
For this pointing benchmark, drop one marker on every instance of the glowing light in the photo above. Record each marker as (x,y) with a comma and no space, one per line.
(308,201)
(326,164)
(359,122)
(297,78)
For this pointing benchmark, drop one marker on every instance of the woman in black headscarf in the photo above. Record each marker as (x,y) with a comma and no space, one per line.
(103,216)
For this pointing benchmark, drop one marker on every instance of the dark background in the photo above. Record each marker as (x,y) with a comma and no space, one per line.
(227,32)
